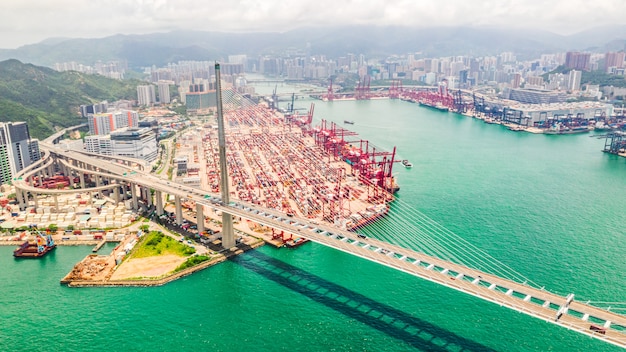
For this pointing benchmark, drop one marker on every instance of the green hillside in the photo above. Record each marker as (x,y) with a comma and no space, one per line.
(49,100)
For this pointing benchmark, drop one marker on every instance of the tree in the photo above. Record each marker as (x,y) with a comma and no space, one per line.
(53,228)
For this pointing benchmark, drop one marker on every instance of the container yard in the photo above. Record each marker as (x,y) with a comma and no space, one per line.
(74,211)
(323,173)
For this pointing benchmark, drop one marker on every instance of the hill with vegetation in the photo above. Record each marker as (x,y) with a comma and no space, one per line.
(49,100)
(592,77)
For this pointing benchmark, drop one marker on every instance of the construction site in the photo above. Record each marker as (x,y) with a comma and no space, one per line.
(280,161)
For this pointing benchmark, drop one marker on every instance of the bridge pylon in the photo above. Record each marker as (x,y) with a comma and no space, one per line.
(228,235)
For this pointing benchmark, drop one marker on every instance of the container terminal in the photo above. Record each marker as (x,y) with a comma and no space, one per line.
(534,111)
(324,173)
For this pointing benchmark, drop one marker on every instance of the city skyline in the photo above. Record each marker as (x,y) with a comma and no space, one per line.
(32,21)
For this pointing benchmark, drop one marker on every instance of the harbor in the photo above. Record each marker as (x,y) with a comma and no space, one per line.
(455,179)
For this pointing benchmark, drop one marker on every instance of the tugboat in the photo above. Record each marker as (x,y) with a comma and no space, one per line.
(37,249)
(407,164)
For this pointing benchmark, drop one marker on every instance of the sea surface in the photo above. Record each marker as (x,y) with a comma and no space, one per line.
(551,207)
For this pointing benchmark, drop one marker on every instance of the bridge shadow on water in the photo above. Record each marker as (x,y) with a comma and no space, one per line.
(391,321)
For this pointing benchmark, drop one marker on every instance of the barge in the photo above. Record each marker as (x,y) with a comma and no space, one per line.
(36,249)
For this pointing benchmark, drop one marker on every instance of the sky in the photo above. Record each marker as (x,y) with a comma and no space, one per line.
(31,21)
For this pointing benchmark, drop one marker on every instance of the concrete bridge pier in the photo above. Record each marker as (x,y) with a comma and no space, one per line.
(82,180)
(179,210)
(200,217)
(133,193)
(116,194)
(148,197)
(98,183)
(159,202)
(19,197)
(35,200)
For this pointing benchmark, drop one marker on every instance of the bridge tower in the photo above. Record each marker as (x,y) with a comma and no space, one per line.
(329,94)
(228,235)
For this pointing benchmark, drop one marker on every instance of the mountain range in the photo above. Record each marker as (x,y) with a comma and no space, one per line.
(49,100)
(372,41)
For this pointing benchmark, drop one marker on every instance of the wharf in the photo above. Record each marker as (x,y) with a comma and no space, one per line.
(98,246)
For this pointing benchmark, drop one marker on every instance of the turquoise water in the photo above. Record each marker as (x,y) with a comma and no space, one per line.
(548,206)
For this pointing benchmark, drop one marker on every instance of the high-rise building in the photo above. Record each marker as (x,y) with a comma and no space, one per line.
(614,61)
(199,98)
(463,74)
(164,92)
(577,61)
(17,149)
(101,124)
(516,81)
(101,107)
(99,144)
(536,81)
(146,95)
(573,80)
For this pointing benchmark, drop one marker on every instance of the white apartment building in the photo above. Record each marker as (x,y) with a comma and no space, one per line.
(146,95)
(105,123)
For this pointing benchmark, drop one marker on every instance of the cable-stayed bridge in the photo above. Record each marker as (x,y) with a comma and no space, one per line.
(422,247)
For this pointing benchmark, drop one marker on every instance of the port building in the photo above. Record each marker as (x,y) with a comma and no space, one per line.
(536,96)
(105,123)
(139,143)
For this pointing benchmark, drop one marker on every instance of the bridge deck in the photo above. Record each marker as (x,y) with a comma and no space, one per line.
(520,297)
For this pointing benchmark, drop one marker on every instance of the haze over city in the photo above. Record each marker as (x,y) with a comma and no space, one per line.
(31,21)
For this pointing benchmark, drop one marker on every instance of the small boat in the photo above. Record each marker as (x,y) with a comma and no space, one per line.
(349,122)
(407,164)
(293,243)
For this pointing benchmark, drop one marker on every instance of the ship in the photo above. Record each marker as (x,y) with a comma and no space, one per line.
(348,122)
(559,129)
(36,249)
(439,106)
(407,164)
(363,218)
(293,243)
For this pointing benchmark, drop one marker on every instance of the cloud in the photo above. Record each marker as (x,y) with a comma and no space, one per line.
(28,21)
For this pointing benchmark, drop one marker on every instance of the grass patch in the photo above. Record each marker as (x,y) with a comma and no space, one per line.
(156,243)
(192,261)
